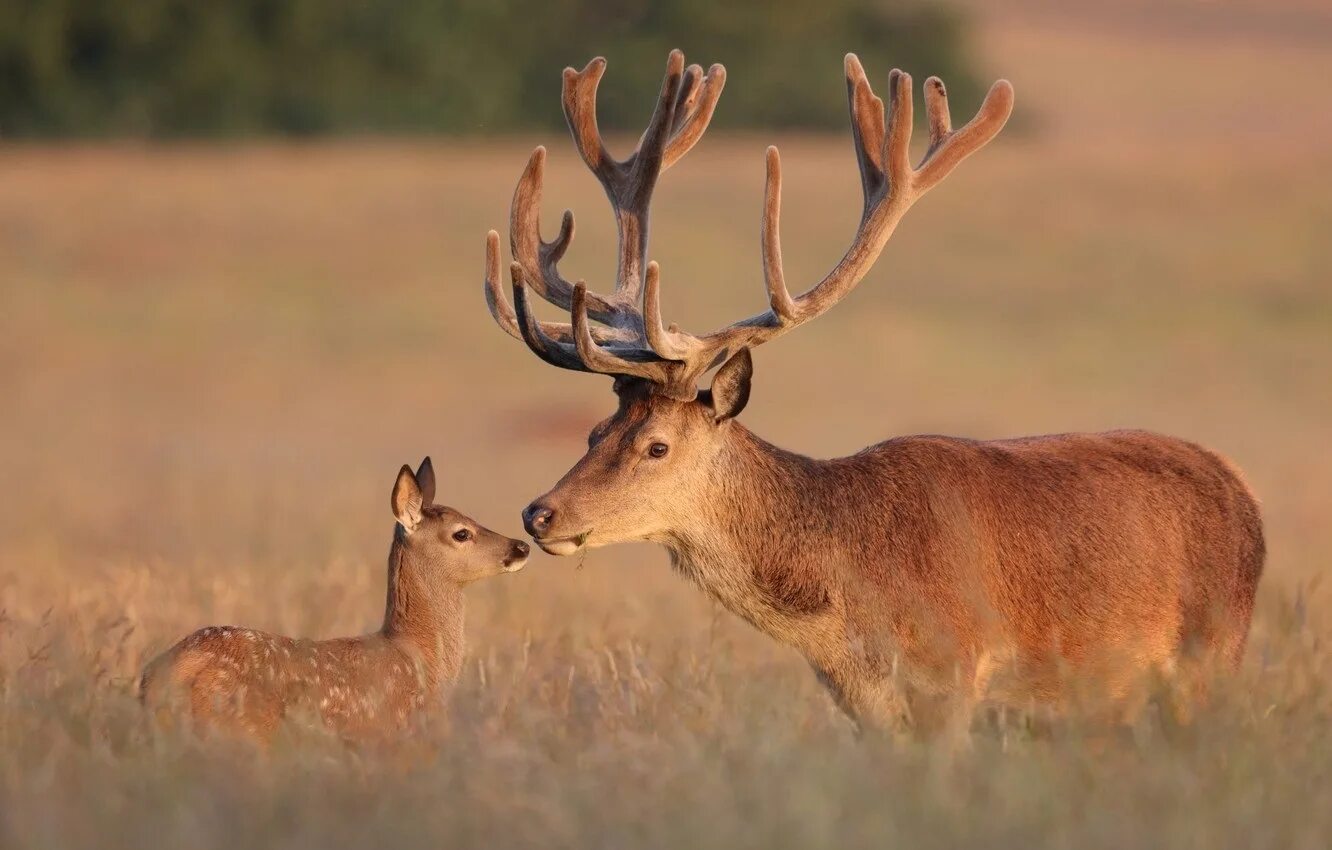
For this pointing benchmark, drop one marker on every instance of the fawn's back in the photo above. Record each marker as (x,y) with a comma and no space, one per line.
(251,680)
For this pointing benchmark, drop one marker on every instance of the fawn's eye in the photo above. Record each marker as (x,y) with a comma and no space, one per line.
(658,449)
(462,535)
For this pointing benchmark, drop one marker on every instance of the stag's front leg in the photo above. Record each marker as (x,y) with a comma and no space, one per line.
(895,707)
(875,705)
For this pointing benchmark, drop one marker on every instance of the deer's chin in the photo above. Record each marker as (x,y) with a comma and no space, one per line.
(562,546)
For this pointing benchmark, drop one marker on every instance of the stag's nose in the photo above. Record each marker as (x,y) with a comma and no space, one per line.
(537,519)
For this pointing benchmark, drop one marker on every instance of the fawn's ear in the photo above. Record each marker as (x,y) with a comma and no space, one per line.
(730,386)
(407,499)
(425,479)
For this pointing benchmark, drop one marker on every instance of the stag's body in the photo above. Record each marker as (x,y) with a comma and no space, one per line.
(978,569)
(247,681)
(921,567)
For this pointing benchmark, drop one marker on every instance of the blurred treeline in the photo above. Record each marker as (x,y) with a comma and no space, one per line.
(229,67)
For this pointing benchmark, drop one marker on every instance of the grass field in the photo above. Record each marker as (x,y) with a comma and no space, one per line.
(213,360)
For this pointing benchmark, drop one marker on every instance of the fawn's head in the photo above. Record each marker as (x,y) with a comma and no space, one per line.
(446,545)
(648,457)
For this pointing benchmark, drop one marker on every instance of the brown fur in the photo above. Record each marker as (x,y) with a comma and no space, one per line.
(935,566)
(248,681)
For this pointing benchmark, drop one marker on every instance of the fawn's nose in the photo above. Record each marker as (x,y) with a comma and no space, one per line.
(537,519)
(520,549)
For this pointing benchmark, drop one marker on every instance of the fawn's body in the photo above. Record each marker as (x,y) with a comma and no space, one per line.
(249,681)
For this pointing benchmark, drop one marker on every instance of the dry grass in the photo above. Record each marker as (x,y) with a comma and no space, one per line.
(212,361)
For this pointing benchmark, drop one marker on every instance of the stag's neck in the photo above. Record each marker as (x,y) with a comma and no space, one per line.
(425,619)
(765,540)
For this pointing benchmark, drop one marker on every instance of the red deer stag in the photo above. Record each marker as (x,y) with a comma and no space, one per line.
(920,569)
(247,681)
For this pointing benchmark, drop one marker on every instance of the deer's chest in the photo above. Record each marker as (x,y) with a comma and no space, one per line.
(798,613)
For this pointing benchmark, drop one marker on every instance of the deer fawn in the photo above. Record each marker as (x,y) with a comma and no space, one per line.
(921,570)
(248,681)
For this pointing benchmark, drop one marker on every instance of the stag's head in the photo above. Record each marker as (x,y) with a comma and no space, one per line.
(650,462)
(447,547)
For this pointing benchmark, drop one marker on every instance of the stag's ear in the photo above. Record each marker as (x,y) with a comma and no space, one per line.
(730,386)
(425,479)
(407,499)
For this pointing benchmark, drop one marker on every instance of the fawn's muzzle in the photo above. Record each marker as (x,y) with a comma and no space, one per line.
(517,556)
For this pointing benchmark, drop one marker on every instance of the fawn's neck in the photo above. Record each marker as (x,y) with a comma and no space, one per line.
(423,616)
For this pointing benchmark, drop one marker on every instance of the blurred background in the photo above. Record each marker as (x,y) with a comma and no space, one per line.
(242,249)
(173,68)
(240,283)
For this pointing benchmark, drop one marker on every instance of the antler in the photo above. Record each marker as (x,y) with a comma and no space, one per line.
(618,345)
(632,340)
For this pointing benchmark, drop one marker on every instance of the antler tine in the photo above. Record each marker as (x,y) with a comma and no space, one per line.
(900,117)
(694,114)
(540,258)
(867,132)
(646,158)
(686,97)
(552,252)
(580,110)
(498,305)
(779,297)
(951,148)
(936,106)
(543,346)
(669,344)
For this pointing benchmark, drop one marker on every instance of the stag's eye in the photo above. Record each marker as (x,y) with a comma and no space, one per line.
(462,535)
(658,449)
